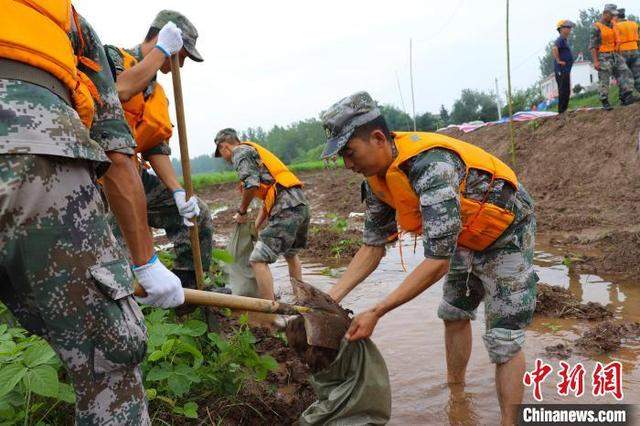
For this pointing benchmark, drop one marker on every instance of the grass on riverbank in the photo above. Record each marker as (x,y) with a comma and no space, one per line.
(203,180)
(592,99)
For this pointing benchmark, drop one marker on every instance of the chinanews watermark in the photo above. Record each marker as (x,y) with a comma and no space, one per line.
(600,381)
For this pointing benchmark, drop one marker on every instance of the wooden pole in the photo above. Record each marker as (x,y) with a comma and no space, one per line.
(513,142)
(218,300)
(413,98)
(186,166)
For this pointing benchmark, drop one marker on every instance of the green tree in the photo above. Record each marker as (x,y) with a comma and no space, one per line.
(396,119)
(523,99)
(427,122)
(444,116)
(473,105)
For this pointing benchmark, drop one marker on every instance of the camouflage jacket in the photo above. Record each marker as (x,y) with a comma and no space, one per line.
(252,173)
(36,121)
(116,60)
(435,176)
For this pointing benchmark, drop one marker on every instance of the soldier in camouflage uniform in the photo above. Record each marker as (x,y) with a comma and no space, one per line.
(608,61)
(287,223)
(162,189)
(502,275)
(628,46)
(61,273)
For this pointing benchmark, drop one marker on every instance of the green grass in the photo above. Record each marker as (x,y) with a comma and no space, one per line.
(591,99)
(203,180)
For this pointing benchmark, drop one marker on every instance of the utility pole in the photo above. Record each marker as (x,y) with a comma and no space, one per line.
(413,98)
(498,101)
(513,141)
(404,108)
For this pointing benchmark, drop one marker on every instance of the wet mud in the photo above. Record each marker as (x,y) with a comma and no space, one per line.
(558,302)
(608,337)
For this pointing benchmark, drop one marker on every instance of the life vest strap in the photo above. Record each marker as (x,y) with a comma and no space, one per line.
(14,70)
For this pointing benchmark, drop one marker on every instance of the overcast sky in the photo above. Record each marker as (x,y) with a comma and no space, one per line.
(276,62)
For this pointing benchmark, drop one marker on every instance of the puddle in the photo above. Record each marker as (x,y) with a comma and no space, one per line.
(411,338)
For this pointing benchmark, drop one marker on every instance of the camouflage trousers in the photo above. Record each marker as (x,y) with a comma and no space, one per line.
(162,213)
(504,278)
(285,234)
(632,59)
(613,65)
(63,277)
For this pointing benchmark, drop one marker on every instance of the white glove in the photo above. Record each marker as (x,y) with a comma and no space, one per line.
(163,287)
(187,208)
(169,39)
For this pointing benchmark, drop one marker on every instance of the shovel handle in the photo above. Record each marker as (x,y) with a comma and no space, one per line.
(243,303)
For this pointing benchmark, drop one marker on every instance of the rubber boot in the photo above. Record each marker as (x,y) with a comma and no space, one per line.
(606,105)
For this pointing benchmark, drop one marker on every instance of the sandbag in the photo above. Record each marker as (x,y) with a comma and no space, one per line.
(242,280)
(353,390)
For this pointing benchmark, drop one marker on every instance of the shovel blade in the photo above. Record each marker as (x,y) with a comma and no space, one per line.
(325,330)
(327,323)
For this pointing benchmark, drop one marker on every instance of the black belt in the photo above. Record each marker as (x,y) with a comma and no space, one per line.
(14,70)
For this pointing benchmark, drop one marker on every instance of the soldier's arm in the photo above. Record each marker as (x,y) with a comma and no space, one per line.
(135,79)
(594,44)
(122,184)
(159,158)
(436,184)
(245,163)
(379,228)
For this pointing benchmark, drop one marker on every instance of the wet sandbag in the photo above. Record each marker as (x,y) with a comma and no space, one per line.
(242,280)
(353,390)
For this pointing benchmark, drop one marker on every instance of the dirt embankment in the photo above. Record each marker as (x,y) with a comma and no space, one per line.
(583,171)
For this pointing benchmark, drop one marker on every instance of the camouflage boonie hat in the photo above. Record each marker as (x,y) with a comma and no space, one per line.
(223,135)
(189,32)
(610,7)
(344,117)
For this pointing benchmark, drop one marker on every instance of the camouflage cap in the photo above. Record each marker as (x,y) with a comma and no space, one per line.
(189,32)
(344,117)
(612,8)
(222,136)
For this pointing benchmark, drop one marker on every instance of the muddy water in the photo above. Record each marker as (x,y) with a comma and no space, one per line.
(411,340)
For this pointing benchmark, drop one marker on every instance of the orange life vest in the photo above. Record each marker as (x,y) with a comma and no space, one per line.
(148,118)
(627,32)
(280,173)
(35,32)
(482,222)
(607,38)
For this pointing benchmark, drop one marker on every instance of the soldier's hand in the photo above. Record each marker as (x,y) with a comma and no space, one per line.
(240,218)
(163,288)
(188,209)
(169,39)
(362,326)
